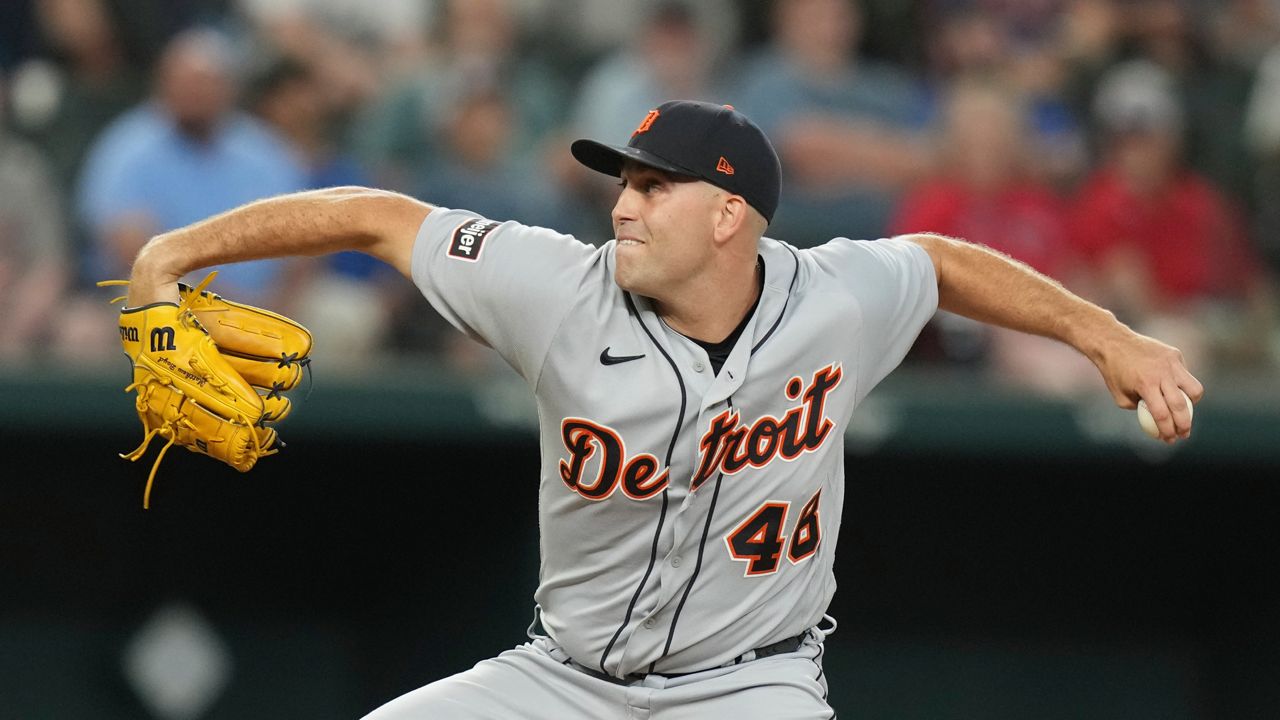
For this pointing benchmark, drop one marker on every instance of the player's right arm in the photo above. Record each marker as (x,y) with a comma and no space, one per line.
(980,283)
(380,223)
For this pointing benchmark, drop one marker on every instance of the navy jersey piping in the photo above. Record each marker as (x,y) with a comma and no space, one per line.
(818,661)
(790,289)
(697,568)
(711,510)
(662,515)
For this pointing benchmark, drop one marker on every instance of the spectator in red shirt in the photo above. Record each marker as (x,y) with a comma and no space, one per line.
(983,190)
(1168,248)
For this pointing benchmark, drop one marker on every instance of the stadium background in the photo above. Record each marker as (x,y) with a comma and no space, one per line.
(1013,546)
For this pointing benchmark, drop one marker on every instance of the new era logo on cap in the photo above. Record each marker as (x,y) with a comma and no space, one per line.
(696,139)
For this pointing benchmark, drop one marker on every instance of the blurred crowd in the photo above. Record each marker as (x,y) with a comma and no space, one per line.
(1128,148)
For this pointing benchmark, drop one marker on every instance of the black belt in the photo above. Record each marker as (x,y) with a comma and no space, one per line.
(786,645)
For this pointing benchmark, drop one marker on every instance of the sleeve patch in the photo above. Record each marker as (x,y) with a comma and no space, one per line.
(468,239)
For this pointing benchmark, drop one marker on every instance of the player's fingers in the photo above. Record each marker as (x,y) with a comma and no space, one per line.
(1179,408)
(1154,399)
(1191,386)
(1124,398)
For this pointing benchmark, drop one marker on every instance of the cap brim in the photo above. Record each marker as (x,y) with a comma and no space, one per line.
(608,159)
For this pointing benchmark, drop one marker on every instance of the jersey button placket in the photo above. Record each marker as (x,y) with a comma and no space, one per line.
(650,623)
(699,366)
(675,561)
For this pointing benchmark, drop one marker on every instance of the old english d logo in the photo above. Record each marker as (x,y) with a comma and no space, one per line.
(724,167)
(162,339)
(646,123)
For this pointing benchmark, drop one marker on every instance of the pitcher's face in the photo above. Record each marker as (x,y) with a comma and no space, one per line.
(663,223)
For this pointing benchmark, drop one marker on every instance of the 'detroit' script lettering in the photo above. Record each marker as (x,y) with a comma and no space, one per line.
(728,446)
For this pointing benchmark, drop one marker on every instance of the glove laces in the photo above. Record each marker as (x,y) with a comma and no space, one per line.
(167,430)
(184,305)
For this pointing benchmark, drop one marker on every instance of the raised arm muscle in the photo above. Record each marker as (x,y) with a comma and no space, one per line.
(378,222)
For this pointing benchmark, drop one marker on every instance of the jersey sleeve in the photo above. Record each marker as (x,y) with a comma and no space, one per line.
(895,286)
(504,284)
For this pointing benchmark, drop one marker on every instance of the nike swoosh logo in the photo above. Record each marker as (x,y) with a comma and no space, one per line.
(607,359)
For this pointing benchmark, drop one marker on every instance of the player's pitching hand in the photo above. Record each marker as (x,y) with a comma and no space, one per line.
(1136,367)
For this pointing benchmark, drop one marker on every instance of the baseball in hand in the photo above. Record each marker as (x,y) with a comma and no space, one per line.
(1148,423)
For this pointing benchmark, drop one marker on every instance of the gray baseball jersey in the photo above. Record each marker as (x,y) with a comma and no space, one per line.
(686,516)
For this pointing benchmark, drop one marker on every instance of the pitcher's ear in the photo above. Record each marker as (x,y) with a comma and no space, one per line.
(732,217)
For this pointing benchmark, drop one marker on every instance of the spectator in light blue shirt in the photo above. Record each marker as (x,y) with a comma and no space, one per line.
(848,129)
(181,157)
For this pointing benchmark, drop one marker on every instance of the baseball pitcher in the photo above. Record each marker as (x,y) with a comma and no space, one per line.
(693,380)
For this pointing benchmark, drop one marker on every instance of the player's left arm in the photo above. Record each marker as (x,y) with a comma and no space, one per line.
(980,283)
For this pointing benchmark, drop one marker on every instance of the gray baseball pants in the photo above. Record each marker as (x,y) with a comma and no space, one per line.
(537,680)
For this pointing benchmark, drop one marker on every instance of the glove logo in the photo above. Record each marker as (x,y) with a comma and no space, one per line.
(162,339)
(129,334)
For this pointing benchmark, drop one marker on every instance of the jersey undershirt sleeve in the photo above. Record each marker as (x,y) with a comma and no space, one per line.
(504,284)
(895,286)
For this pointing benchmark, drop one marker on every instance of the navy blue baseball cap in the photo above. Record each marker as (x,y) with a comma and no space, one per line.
(703,140)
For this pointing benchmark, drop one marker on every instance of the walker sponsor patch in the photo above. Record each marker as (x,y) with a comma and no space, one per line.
(468,239)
